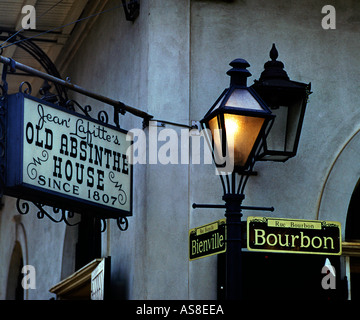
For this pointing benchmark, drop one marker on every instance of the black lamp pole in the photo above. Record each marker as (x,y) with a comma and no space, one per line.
(233,216)
(233,212)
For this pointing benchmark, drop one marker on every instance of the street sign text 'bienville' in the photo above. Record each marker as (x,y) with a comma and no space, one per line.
(207,240)
(66,160)
(293,235)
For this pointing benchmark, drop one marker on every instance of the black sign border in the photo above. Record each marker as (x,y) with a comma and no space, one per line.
(264,220)
(221,224)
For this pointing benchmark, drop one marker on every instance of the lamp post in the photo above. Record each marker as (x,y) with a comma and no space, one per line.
(236,124)
(238,128)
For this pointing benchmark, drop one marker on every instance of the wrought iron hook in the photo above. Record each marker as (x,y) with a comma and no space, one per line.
(131,9)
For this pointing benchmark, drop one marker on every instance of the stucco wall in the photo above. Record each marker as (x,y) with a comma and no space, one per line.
(221,32)
(146,68)
(41,243)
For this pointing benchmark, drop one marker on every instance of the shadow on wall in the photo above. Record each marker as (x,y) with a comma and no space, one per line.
(14,289)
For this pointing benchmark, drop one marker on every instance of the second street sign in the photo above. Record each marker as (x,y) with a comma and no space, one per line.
(207,240)
(293,236)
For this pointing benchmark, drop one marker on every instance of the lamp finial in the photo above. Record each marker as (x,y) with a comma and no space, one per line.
(273,53)
(274,69)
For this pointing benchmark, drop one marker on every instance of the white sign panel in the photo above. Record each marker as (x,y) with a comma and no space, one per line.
(76,157)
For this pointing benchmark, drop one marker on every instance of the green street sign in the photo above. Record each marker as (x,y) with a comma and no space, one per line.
(207,240)
(293,236)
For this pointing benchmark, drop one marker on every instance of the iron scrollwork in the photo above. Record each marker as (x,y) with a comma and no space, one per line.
(25,90)
(71,104)
(75,106)
(103,117)
(62,215)
(121,222)
(59,215)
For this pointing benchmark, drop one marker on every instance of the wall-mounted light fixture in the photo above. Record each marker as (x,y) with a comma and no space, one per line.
(287,100)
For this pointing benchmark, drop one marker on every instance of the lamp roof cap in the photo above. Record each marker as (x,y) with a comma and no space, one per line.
(239,72)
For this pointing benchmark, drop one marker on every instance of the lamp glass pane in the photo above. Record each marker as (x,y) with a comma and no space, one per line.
(216,136)
(217,105)
(276,139)
(242,98)
(293,123)
(241,134)
(284,132)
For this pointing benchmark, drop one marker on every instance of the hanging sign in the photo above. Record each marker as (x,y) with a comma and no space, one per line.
(207,240)
(293,235)
(66,160)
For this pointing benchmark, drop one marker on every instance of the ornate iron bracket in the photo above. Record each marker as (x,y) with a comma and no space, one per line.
(121,222)
(62,215)
(35,51)
(59,215)
(131,9)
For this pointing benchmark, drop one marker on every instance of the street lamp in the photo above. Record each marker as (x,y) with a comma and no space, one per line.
(287,99)
(246,124)
(237,122)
